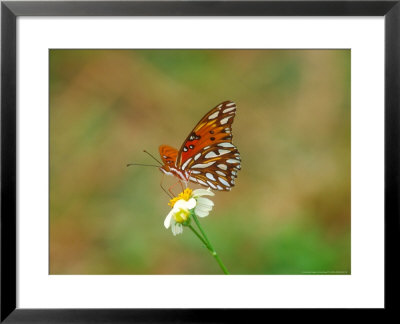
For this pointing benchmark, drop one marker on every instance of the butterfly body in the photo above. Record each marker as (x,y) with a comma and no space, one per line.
(169,167)
(207,156)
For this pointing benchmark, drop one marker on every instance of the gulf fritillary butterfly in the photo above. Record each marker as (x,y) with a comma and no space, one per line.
(207,156)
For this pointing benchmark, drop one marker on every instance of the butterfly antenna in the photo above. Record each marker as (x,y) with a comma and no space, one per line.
(152,165)
(152,157)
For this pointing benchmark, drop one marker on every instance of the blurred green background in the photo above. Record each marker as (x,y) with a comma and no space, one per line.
(289,212)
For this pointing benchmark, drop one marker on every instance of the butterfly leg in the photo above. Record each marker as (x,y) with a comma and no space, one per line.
(174,185)
(161,185)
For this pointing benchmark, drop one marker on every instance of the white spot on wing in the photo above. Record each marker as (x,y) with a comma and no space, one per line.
(196,172)
(230,104)
(211,185)
(219,187)
(224,182)
(210,176)
(210,155)
(186,163)
(220,173)
(205,165)
(222,152)
(197,156)
(225,120)
(228,109)
(222,166)
(232,161)
(201,182)
(214,115)
(226,144)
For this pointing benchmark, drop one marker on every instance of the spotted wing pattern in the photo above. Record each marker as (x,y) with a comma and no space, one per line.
(208,153)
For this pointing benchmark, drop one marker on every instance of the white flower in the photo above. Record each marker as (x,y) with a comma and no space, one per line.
(183,204)
(180,211)
(203,205)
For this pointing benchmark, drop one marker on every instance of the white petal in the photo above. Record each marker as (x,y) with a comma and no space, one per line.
(177,228)
(173,229)
(202,192)
(201,213)
(205,201)
(203,208)
(181,203)
(167,221)
(191,203)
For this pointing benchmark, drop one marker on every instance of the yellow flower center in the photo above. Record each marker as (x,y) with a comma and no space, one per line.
(185,195)
(181,216)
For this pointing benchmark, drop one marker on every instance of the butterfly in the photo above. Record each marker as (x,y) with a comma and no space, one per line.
(207,156)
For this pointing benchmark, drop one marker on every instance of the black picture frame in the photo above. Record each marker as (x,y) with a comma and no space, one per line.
(10,10)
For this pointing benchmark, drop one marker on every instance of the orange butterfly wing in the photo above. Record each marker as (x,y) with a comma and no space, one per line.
(208,153)
(168,155)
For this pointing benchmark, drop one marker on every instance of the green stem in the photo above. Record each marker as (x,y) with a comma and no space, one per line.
(208,244)
(199,236)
